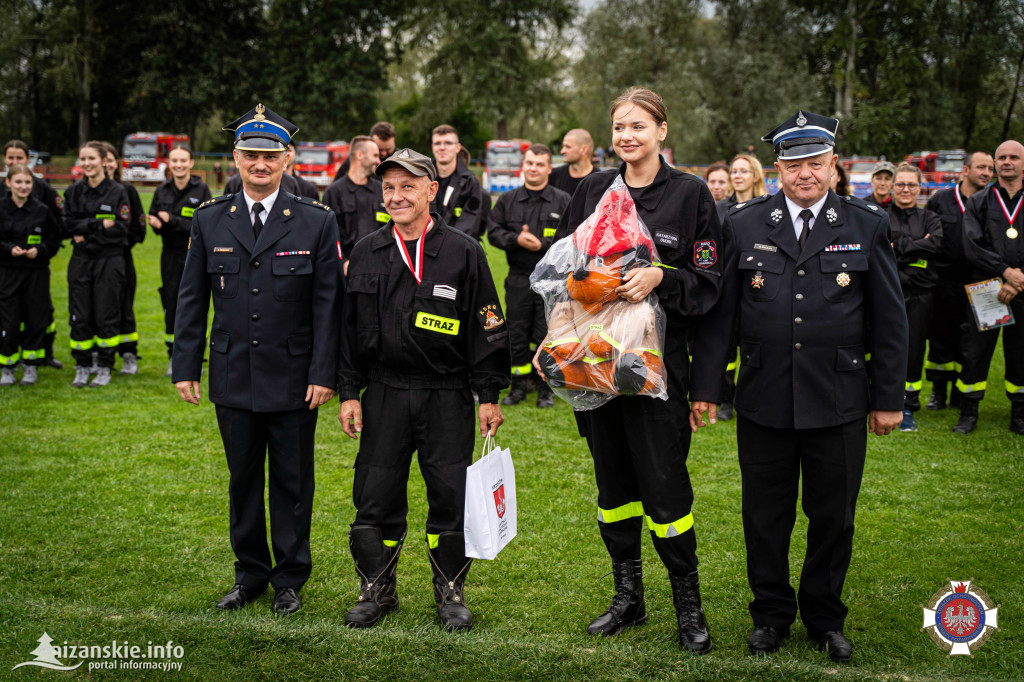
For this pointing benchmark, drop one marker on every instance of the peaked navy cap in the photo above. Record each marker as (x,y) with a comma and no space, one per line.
(261,130)
(802,135)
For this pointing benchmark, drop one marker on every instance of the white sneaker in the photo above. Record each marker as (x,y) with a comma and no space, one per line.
(101,379)
(30,376)
(81,376)
(131,364)
(7,376)
(168,372)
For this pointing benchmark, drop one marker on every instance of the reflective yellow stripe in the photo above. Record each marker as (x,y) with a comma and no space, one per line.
(52,328)
(168,338)
(957,367)
(22,327)
(1013,388)
(382,217)
(670,530)
(922,263)
(867,358)
(627,511)
(522,369)
(615,344)
(550,231)
(128,338)
(667,267)
(970,388)
(731,366)
(10,359)
(944,367)
(187,211)
(913,386)
(436,323)
(35,239)
(653,351)
(458,211)
(34,354)
(432,540)
(594,361)
(394,543)
(567,339)
(109,342)
(106,216)
(82,345)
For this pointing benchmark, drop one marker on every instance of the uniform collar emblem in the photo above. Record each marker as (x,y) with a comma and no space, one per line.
(872,207)
(776,215)
(830,214)
(741,204)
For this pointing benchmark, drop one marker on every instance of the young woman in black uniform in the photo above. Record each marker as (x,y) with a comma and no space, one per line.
(640,444)
(170,216)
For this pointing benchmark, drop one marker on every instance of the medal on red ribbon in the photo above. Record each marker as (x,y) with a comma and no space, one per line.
(1010,217)
(417,267)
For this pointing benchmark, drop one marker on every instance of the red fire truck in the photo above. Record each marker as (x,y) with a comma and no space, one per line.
(941,166)
(318,162)
(503,164)
(144,158)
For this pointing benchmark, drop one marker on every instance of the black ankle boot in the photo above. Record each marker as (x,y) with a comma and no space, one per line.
(627,607)
(517,393)
(968,421)
(449,564)
(693,628)
(937,401)
(375,565)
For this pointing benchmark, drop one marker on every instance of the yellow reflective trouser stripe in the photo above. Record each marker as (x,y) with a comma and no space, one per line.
(944,367)
(913,385)
(1013,388)
(432,540)
(108,343)
(958,367)
(970,388)
(168,338)
(567,339)
(10,359)
(670,530)
(52,328)
(668,267)
(394,543)
(627,511)
(82,345)
(615,344)
(921,263)
(134,336)
(522,369)
(382,217)
(34,354)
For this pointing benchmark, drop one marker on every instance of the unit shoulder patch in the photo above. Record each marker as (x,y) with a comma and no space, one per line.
(490,317)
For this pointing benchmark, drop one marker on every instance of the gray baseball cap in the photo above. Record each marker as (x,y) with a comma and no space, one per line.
(883,167)
(409,160)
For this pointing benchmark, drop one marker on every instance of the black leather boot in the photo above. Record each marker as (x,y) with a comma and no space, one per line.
(1017,418)
(375,565)
(545,396)
(627,608)
(517,393)
(968,421)
(449,564)
(693,628)
(937,401)
(912,401)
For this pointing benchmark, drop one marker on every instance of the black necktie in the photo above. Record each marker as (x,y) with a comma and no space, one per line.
(806,216)
(257,224)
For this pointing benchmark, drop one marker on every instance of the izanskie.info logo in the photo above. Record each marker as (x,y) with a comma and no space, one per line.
(113,656)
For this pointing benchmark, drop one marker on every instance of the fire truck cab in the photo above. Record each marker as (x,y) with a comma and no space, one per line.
(144,156)
(503,165)
(318,162)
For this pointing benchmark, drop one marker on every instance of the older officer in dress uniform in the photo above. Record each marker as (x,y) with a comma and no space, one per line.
(812,278)
(272,263)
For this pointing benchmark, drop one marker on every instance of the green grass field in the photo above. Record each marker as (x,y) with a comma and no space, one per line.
(114,526)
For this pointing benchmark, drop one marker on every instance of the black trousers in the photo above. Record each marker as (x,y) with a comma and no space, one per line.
(129,334)
(949,304)
(639,446)
(831,461)
(95,286)
(437,424)
(527,323)
(172,264)
(24,300)
(919,313)
(978,348)
(288,439)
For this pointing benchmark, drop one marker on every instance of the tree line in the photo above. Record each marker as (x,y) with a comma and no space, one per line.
(902,75)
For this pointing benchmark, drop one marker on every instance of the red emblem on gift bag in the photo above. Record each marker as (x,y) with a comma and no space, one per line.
(499,500)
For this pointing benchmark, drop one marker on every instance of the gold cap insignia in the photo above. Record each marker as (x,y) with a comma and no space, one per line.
(259,112)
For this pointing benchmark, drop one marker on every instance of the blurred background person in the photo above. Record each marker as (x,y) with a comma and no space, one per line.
(577,148)
(717,179)
(881,183)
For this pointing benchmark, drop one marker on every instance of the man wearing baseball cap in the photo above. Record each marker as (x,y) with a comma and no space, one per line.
(811,279)
(422,329)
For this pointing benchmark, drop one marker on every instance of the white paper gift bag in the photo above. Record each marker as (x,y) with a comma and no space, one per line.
(490,502)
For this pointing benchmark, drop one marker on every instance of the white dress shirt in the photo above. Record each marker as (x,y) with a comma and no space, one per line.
(268,204)
(794,214)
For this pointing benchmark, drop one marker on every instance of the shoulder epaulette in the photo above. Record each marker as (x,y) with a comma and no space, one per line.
(210,202)
(864,205)
(751,202)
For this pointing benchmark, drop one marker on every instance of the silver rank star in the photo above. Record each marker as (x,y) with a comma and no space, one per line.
(831,215)
(776,215)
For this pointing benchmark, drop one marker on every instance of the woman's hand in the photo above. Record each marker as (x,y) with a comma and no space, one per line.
(638,283)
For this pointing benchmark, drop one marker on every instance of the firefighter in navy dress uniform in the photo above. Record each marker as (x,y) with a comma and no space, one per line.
(272,263)
(421,327)
(812,278)
(640,444)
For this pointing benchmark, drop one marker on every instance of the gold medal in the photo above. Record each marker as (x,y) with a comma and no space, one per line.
(758,281)
(843,279)
(1011,233)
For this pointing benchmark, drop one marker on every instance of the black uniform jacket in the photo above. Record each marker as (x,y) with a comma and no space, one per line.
(723,206)
(951,264)
(915,253)
(180,205)
(515,209)
(807,321)
(563,180)
(85,209)
(31,225)
(464,209)
(359,209)
(276,303)
(137,220)
(989,250)
(679,213)
(448,331)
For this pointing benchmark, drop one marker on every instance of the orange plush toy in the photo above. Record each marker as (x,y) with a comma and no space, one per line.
(596,340)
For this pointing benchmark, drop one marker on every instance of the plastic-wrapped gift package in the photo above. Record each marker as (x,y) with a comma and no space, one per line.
(599,345)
